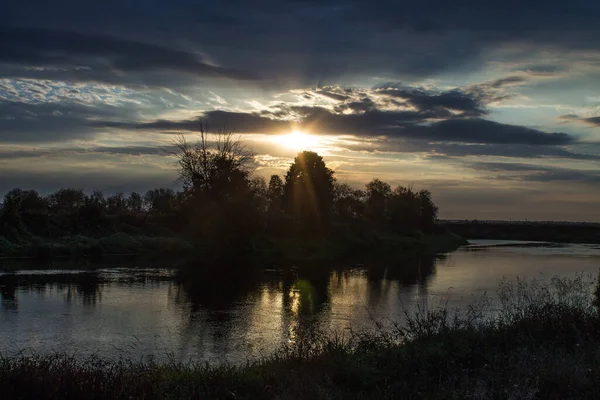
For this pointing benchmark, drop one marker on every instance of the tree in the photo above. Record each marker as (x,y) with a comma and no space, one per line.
(160,200)
(224,203)
(348,202)
(378,194)
(67,200)
(135,203)
(259,193)
(116,204)
(403,209)
(19,203)
(410,211)
(308,189)
(427,209)
(275,194)
(93,209)
(215,168)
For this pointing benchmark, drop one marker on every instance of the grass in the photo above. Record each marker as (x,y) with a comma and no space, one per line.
(74,246)
(541,343)
(276,250)
(357,246)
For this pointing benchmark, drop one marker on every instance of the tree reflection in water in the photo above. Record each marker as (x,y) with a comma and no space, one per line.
(86,286)
(225,309)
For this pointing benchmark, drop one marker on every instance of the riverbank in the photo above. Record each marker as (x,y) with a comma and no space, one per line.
(555,232)
(264,250)
(542,344)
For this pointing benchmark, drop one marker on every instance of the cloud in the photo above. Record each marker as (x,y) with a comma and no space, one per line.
(508,81)
(538,173)
(541,70)
(399,124)
(104,58)
(541,20)
(54,122)
(591,121)
(484,131)
(468,104)
(436,150)
(295,43)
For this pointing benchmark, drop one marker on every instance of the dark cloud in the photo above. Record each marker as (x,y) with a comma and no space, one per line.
(67,151)
(508,81)
(394,112)
(238,122)
(457,151)
(407,124)
(301,42)
(53,122)
(484,131)
(455,100)
(592,121)
(105,57)
(540,19)
(538,173)
(333,95)
(541,70)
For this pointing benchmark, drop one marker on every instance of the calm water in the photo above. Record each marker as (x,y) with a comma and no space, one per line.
(136,312)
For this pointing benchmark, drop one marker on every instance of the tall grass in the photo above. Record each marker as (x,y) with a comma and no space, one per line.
(542,342)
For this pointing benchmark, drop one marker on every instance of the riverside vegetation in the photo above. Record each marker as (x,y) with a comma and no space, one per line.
(224,212)
(541,342)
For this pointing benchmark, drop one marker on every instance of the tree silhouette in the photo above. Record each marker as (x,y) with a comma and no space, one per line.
(275,194)
(223,212)
(308,190)
(428,211)
(348,202)
(224,203)
(378,195)
(23,206)
(160,200)
(215,168)
(410,211)
(135,203)
(67,200)
(116,204)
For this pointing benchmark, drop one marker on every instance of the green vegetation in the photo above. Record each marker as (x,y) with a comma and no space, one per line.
(542,343)
(224,213)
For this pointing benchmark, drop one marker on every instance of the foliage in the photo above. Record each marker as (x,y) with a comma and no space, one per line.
(308,190)
(217,168)
(275,194)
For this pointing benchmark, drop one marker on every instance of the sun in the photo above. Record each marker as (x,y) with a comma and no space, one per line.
(298,140)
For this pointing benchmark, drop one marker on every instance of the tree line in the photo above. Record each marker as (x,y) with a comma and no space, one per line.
(223,201)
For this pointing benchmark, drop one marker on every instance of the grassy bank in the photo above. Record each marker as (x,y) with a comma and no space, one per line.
(543,343)
(78,246)
(282,250)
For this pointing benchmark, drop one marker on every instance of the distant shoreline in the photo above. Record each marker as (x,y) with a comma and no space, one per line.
(516,222)
(557,232)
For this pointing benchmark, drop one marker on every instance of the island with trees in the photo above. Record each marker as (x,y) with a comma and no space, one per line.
(225,212)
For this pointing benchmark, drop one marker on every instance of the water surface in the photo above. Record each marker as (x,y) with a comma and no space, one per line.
(135,312)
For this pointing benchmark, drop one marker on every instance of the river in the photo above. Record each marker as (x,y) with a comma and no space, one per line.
(132,312)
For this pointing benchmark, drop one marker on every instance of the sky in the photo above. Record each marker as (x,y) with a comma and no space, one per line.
(493,106)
